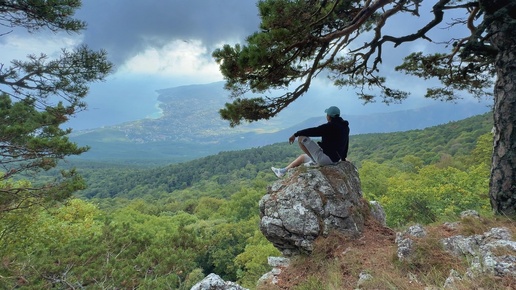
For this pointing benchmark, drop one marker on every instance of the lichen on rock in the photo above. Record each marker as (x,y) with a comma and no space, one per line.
(312,202)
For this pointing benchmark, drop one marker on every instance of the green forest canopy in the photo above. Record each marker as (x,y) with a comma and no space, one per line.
(168,227)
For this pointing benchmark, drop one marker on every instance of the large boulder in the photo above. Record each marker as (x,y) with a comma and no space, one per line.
(310,202)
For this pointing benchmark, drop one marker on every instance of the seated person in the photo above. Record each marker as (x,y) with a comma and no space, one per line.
(332,148)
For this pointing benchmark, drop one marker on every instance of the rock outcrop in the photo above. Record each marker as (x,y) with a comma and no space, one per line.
(493,252)
(214,282)
(405,243)
(311,202)
(270,278)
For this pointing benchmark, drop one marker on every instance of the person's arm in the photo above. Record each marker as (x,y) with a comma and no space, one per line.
(312,132)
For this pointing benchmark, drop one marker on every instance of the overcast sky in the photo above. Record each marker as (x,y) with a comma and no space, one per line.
(157,44)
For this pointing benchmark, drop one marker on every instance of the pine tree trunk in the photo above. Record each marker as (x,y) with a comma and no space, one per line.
(502,186)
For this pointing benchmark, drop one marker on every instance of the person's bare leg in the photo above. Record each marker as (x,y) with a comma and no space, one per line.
(298,161)
(301,158)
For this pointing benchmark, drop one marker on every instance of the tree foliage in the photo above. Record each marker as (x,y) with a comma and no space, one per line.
(299,40)
(37,97)
(347,40)
(34,15)
(426,194)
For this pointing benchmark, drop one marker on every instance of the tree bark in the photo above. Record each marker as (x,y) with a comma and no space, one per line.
(502,185)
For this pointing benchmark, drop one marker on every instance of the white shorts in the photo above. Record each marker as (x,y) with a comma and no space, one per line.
(316,151)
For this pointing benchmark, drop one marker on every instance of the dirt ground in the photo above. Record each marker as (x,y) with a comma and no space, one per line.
(349,256)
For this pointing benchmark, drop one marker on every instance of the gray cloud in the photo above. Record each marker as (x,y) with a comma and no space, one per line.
(125,27)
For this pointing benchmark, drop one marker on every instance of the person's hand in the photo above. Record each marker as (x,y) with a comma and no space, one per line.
(291,139)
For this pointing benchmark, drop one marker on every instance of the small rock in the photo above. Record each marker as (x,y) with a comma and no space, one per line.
(214,282)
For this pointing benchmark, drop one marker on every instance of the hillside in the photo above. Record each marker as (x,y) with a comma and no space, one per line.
(166,140)
(454,139)
(190,127)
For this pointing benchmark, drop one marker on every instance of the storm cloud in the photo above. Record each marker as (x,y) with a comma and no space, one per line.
(124,28)
(159,44)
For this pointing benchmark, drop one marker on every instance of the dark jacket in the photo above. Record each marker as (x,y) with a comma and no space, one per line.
(335,138)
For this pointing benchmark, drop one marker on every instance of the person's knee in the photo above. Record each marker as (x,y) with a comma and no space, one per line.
(301,139)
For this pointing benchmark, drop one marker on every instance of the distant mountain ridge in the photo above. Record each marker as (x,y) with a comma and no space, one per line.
(190,127)
(407,119)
